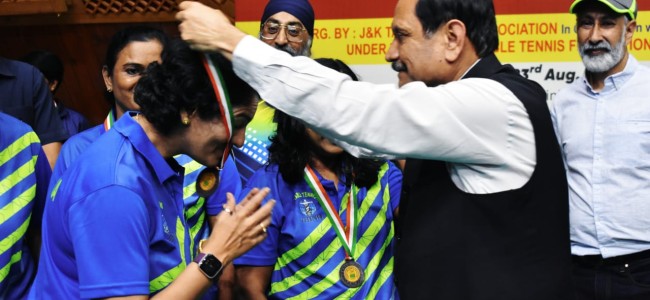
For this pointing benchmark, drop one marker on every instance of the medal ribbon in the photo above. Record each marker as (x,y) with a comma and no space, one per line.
(349,236)
(223,99)
(110,119)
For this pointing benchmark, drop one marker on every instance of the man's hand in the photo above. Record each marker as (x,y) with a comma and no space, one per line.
(207,29)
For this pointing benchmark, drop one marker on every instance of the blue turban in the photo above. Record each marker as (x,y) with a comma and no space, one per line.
(301,9)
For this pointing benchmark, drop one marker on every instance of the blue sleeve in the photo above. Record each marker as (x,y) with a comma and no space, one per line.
(47,123)
(69,152)
(394,175)
(228,182)
(266,253)
(43,173)
(72,148)
(57,173)
(110,230)
(79,122)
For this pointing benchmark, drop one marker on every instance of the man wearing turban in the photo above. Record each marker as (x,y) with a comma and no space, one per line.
(287,25)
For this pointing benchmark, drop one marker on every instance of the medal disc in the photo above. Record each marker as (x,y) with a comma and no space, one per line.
(207,182)
(351,274)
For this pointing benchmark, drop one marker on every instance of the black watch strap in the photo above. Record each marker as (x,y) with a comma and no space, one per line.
(209,265)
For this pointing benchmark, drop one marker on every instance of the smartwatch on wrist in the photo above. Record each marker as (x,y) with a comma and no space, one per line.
(209,265)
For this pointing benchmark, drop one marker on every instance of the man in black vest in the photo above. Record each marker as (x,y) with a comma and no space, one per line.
(484,211)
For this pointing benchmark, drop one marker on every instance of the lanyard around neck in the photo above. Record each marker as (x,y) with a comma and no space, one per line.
(347,235)
(223,99)
(109,121)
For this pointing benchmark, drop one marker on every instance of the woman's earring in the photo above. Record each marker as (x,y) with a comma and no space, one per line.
(110,90)
(186,121)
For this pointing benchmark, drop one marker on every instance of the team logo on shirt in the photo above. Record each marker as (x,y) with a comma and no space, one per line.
(308,210)
(307,205)
(168,235)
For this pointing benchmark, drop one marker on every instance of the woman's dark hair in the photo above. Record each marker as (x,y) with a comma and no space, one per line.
(477,15)
(121,39)
(291,148)
(181,83)
(338,65)
(48,63)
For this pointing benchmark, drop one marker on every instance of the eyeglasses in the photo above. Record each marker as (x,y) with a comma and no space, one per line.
(271,29)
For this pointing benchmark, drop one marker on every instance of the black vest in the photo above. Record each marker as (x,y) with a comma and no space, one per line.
(511,245)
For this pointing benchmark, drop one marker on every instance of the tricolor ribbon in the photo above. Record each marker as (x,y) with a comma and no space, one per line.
(110,119)
(223,99)
(347,235)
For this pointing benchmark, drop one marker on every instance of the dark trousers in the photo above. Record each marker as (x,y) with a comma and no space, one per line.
(624,277)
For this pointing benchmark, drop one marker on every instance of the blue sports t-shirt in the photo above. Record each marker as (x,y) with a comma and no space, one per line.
(195,207)
(72,148)
(115,225)
(24,173)
(304,248)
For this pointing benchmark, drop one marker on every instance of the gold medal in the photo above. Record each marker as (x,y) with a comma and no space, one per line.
(351,274)
(207,182)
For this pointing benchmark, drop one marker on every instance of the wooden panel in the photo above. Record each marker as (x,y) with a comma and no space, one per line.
(22,7)
(80,36)
(94,7)
(112,11)
(82,50)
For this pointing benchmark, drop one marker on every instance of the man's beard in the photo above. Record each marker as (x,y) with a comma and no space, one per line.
(606,61)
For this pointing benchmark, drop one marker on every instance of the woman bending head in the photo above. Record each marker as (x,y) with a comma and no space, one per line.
(178,101)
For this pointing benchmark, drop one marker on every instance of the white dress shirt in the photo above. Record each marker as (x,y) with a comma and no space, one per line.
(476,125)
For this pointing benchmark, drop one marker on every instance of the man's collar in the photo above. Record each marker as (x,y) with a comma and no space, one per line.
(484,67)
(5,67)
(163,168)
(616,81)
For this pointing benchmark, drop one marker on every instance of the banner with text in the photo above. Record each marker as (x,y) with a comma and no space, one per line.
(538,39)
